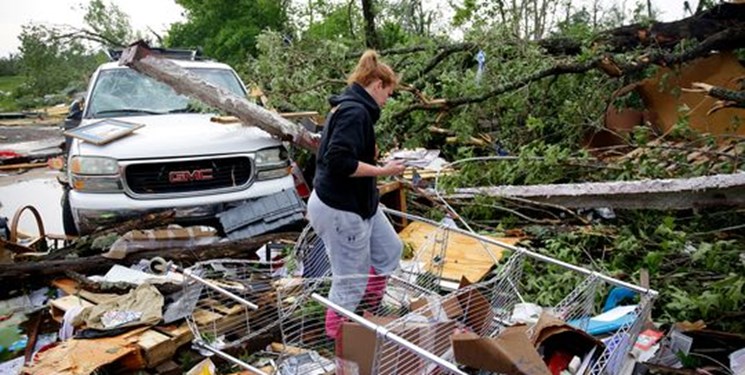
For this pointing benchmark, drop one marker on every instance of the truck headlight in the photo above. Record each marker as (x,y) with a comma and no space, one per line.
(270,156)
(272,163)
(95,174)
(93,165)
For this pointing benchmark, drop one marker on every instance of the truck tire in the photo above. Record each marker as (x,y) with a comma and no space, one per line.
(68,223)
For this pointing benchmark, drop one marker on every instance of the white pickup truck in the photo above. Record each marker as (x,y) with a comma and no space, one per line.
(178,160)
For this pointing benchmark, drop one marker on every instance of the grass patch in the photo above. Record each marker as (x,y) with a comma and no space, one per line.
(7,85)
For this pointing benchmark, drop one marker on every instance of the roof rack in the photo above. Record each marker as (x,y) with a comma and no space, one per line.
(168,53)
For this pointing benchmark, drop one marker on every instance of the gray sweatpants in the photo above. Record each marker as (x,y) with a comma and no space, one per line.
(353,246)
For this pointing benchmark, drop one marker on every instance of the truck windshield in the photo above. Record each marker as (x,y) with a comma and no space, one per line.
(124,92)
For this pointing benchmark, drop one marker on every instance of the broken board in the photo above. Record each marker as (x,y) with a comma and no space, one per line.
(465,256)
(85,356)
(150,348)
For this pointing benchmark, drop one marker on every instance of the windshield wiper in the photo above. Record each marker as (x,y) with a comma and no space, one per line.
(184,110)
(126,111)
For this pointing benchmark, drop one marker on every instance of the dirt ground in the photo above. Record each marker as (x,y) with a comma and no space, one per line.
(16,134)
(38,186)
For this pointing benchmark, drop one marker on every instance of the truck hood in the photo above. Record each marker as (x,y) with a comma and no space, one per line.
(178,135)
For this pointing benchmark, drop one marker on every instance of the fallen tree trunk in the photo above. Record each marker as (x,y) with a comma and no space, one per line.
(15,274)
(699,26)
(665,35)
(707,191)
(139,57)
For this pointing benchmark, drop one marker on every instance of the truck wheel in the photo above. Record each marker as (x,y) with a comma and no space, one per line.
(68,223)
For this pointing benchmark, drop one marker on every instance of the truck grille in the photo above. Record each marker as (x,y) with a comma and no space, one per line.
(186,176)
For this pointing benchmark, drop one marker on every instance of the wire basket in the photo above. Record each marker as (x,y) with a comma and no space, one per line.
(219,319)
(305,333)
(420,316)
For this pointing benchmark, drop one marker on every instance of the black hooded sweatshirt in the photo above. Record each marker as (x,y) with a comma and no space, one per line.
(348,138)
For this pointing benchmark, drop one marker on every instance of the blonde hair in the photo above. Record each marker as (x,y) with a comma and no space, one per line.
(369,69)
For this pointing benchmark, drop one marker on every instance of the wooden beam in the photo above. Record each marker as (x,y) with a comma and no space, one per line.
(138,57)
(22,166)
(42,270)
(706,191)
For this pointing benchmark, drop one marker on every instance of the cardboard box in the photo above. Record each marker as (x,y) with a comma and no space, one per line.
(514,352)
(360,345)
(511,353)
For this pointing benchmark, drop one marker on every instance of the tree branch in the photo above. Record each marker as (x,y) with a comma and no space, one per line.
(727,39)
(412,49)
(88,35)
(372,40)
(440,57)
(445,104)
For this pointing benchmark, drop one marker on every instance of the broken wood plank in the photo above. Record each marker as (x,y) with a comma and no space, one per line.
(72,287)
(22,166)
(138,57)
(179,333)
(205,317)
(156,348)
(85,356)
(386,188)
(465,256)
(706,191)
(59,306)
(222,309)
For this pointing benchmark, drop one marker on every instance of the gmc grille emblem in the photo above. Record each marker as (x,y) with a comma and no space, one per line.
(175,177)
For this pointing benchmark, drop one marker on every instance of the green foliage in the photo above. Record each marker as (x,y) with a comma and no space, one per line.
(298,75)
(464,12)
(50,64)
(56,60)
(9,65)
(699,276)
(109,23)
(8,85)
(226,30)
(331,21)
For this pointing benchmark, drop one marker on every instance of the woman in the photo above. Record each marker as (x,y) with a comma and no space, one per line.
(343,208)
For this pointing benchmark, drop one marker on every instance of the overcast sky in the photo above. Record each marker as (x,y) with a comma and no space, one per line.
(158,14)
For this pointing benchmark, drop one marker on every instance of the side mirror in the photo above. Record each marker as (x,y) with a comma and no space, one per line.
(74,116)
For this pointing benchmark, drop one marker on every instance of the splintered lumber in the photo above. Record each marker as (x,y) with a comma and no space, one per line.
(179,333)
(154,346)
(59,306)
(83,356)
(684,193)
(464,256)
(139,57)
(12,274)
(22,166)
(154,349)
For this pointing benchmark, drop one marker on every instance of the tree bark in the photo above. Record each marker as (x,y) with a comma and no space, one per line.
(371,35)
(665,35)
(707,191)
(20,274)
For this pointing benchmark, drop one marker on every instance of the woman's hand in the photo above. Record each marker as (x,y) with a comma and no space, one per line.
(393,168)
